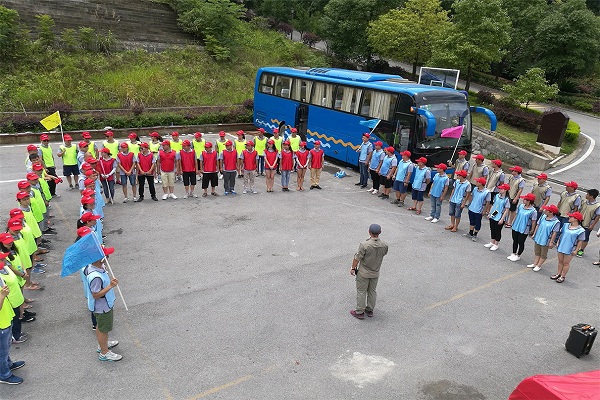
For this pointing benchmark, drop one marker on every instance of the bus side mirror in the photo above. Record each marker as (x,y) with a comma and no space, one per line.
(431,123)
(489,113)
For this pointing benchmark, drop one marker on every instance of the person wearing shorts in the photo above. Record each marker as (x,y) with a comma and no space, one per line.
(568,245)
(209,170)
(127,165)
(422,179)
(167,164)
(189,168)
(402,180)
(387,169)
(374,161)
(543,237)
(68,153)
(516,183)
(458,199)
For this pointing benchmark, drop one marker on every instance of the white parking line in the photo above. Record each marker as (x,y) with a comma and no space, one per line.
(586,155)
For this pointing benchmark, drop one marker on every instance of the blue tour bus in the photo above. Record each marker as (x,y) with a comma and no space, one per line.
(329,104)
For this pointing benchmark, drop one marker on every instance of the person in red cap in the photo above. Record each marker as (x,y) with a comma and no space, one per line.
(127,164)
(88,219)
(387,169)
(6,317)
(167,164)
(176,146)
(404,172)
(461,163)
(422,179)
(364,151)
(301,164)
(107,167)
(374,161)
(199,145)
(32,149)
(270,164)
(250,159)
(220,142)
(278,140)
(92,148)
(14,281)
(240,145)
(134,143)
(437,192)
(82,153)
(189,168)
(37,196)
(458,199)
(111,143)
(287,160)
(498,214)
(229,166)
(45,152)
(478,202)
(19,245)
(590,209)
(494,179)
(68,153)
(294,144)
(209,170)
(261,145)
(146,171)
(545,232)
(569,243)
(542,191)
(516,183)
(477,170)
(523,226)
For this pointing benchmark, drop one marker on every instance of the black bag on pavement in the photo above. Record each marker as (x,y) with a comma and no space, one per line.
(581,339)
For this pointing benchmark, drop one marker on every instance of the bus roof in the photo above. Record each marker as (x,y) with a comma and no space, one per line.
(373,80)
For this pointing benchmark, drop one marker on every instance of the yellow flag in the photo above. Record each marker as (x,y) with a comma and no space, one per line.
(51,121)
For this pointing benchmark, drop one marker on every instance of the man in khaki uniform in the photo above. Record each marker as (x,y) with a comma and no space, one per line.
(370,256)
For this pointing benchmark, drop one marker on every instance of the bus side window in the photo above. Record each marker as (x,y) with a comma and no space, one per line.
(283,86)
(301,89)
(365,105)
(322,94)
(267,82)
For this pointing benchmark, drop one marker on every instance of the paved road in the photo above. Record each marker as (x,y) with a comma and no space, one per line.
(249,298)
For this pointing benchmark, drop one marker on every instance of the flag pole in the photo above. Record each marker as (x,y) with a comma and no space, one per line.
(105,259)
(61,129)
(454,151)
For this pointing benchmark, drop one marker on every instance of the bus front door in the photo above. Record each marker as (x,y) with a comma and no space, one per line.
(302,120)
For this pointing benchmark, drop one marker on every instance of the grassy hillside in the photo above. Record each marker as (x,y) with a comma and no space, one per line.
(184,77)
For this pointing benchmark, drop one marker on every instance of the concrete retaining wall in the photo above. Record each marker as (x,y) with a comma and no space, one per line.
(485,143)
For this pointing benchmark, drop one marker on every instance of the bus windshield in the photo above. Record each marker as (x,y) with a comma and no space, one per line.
(449,117)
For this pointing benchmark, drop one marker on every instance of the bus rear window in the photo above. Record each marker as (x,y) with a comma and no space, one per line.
(267,83)
(378,105)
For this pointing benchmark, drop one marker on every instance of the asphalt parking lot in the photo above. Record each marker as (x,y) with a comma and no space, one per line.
(248,297)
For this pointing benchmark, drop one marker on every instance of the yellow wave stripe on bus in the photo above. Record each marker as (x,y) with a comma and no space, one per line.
(334,140)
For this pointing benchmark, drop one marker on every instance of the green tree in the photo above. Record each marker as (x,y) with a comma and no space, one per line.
(475,39)
(531,86)
(10,34)
(408,33)
(567,40)
(68,40)
(344,26)
(46,35)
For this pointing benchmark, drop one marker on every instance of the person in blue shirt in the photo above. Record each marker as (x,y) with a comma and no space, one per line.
(364,150)
(386,172)
(523,225)
(422,179)
(437,192)
(374,161)
(458,199)
(498,215)
(479,200)
(569,243)
(543,237)
(402,179)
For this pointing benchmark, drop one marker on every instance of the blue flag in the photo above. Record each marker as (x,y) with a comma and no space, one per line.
(371,124)
(81,253)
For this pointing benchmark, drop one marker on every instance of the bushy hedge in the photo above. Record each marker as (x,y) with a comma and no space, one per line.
(518,117)
(572,132)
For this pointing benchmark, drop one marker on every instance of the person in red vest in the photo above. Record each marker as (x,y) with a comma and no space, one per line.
(209,169)
(167,164)
(146,168)
(250,160)
(271,164)
(228,167)
(189,168)
(302,163)
(127,162)
(107,168)
(316,159)
(286,161)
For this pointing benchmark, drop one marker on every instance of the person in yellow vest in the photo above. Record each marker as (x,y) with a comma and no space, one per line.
(176,146)
(14,228)
(111,143)
(134,143)
(569,202)
(516,183)
(6,317)
(477,170)
(240,145)
(68,153)
(542,191)
(92,148)
(495,178)
(294,144)
(221,142)
(15,298)
(31,150)
(278,142)
(461,163)
(198,145)
(260,145)
(30,232)
(45,152)
(590,209)
(155,146)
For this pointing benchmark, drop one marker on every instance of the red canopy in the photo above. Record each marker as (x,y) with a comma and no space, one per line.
(582,386)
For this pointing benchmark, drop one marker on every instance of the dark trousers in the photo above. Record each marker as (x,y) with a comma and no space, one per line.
(375,179)
(109,189)
(261,164)
(495,230)
(518,242)
(364,173)
(229,180)
(150,180)
(51,183)
(16,325)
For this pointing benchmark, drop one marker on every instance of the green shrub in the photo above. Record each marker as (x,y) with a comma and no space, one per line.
(46,35)
(572,132)
(583,105)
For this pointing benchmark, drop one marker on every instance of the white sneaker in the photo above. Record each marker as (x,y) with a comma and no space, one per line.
(111,344)
(536,268)
(155,180)
(370,190)
(165,196)
(135,199)
(194,195)
(125,200)
(254,191)
(245,191)
(433,221)
(220,176)
(428,218)
(110,356)
(488,245)
(374,191)
(172,195)
(494,247)
(516,258)
(185,196)
(531,265)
